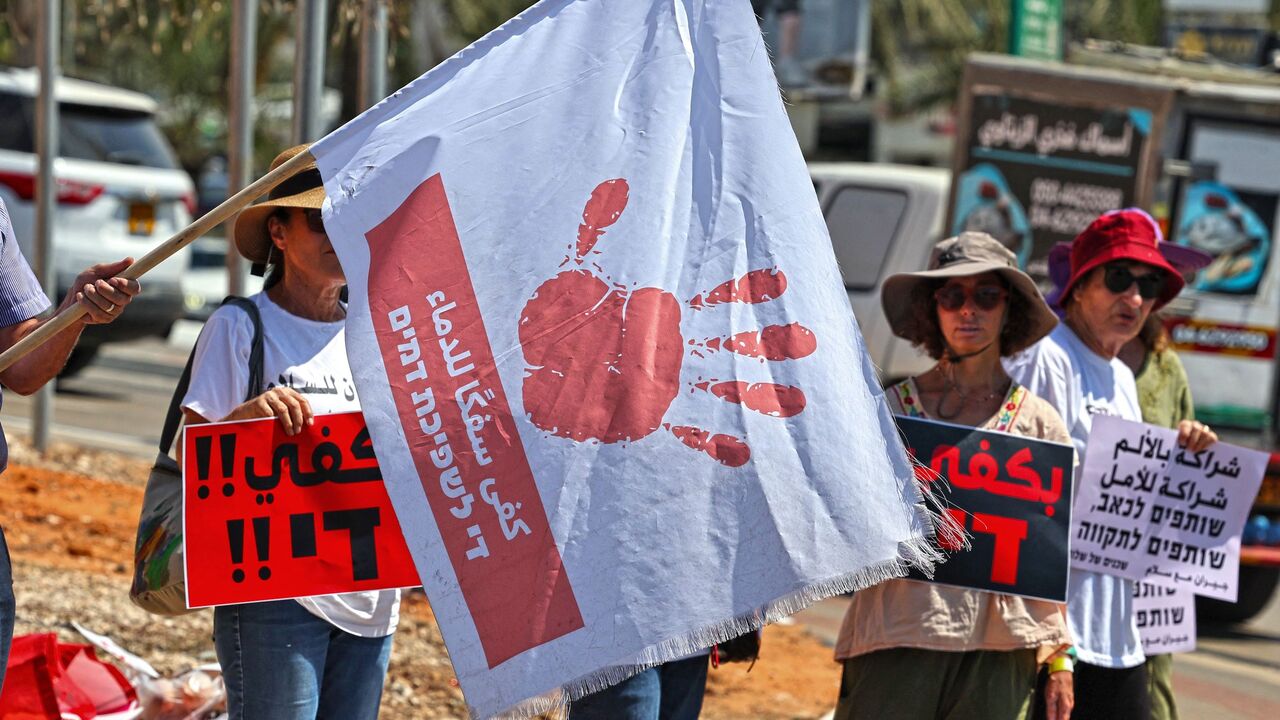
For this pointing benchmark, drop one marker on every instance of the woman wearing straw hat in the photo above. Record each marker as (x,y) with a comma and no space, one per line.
(916,650)
(1118,277)
(321,656)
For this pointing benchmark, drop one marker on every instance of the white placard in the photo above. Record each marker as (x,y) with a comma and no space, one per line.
(1166,619)
(1148,510)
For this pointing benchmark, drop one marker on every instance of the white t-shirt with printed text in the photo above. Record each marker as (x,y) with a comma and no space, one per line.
(1080,384)
(311,357)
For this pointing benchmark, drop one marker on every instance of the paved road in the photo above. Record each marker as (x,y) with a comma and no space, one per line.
(1234,673)
(118,403)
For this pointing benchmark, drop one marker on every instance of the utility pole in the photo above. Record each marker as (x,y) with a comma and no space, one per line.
(373,53)
(428,42)
(244,34)
(49,27)
(308,77)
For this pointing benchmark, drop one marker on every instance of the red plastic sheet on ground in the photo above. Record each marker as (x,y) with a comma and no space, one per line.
(50,679)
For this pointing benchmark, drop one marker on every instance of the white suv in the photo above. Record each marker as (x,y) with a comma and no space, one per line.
(120,192)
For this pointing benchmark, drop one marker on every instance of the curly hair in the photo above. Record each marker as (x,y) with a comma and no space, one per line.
(924,332)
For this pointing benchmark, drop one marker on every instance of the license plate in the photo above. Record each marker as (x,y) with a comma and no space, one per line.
(142,218)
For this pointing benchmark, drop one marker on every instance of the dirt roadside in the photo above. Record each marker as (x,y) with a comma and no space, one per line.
(70,520)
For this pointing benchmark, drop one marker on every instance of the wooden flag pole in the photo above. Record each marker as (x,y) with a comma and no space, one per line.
(160,253)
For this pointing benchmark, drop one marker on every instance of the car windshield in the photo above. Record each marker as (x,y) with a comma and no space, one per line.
(112,135)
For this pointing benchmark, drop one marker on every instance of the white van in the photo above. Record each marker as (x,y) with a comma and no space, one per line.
(883,219)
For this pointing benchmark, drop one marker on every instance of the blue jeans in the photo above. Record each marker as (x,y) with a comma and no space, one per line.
(671,691)
(8,612)
(280,662)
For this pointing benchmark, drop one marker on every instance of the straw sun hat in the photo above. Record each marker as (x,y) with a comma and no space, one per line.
(303,189)
(908,297)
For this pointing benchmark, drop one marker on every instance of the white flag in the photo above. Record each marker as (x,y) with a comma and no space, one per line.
(619,399)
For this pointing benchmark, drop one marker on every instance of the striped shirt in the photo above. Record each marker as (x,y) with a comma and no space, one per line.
(21,297)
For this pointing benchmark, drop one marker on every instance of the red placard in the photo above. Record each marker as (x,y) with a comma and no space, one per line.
(460,431)
(269,517)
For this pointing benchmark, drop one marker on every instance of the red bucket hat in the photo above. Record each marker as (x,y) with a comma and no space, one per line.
(1128,234)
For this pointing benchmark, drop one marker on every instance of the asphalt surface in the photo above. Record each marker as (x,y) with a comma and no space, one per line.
(119,402)
(1235,671)
(1234,674)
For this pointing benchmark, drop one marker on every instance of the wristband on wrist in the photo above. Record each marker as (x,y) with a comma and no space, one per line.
(1062,663)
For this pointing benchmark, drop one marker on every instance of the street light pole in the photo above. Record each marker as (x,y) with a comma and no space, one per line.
(308,77)
(244,34)
(373,53)
(49,26)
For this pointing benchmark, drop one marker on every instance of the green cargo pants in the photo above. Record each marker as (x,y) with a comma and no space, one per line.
(911,684)
(1160,674)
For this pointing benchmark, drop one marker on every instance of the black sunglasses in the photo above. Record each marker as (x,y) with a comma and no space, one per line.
(1119,278)
(953,297)
(314,222)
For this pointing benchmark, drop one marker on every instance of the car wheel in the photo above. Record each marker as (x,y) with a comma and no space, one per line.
(79,359)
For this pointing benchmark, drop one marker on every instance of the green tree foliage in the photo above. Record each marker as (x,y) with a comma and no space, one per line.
(178,51)
(919,46)
(471,19)
(1133,21)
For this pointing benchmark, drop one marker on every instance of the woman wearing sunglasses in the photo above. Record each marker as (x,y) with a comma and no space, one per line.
(916,650)
(316,657)
(1118,278)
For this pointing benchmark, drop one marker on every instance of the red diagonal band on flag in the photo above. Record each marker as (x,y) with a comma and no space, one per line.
(460,431)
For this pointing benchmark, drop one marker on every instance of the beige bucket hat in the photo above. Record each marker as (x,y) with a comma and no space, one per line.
(303,189)
(971,253)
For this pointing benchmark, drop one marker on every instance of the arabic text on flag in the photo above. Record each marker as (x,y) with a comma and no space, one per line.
(620,401)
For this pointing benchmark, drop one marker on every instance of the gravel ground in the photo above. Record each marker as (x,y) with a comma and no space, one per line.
(419,683)
(62,581)
(49,599)
(65,457)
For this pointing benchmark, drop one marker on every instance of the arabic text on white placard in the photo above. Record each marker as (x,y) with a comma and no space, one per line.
(1149,510)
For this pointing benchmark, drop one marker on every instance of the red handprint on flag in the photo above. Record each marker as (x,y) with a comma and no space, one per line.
(605,361)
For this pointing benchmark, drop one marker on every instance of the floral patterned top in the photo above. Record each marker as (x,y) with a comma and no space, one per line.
(1021,414)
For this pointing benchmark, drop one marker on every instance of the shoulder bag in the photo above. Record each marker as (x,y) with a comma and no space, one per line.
(159,585)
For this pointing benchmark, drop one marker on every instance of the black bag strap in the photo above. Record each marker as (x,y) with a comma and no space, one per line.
(174,416)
